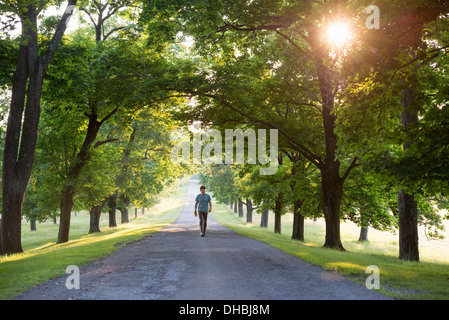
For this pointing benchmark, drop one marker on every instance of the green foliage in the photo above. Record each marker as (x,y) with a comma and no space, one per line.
(108,80)
(369,201)
(148,169)
(256,57)
(8,51)
(220,181)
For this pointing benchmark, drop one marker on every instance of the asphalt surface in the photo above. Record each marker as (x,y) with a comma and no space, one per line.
(177,264)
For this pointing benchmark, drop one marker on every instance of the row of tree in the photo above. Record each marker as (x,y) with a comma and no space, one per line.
(357,124)
(99,137)
(366,121)
(367,201)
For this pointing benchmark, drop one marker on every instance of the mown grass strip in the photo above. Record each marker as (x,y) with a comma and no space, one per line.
(43,259)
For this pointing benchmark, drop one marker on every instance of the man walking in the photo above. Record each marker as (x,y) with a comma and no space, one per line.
(203,201)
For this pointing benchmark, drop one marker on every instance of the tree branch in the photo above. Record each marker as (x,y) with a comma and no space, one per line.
(145,157)
(57,37)
(99,143)
(309,155)
(348,170)
(307,54)
(112,12)
(273,27)
(437,50)
(249,29)
(108,116)
(98,5)
(314,97)
(112,31)
(91,19)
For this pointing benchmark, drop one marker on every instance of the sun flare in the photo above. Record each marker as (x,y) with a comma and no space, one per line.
(338,33)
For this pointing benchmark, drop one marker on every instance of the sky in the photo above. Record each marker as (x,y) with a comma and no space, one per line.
(50,11)
(73,23)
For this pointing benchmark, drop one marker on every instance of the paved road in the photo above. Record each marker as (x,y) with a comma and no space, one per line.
(176,264)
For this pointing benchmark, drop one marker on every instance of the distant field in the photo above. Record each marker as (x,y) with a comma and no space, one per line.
(378,241)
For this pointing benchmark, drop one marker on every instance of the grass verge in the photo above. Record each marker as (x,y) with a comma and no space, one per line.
(398,279)
(43,259)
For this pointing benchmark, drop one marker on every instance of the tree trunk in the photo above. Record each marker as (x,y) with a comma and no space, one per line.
(331,193)
(98,27)
(33,225)
(264,219)
(240,208)
(11,219)
(277,215)
(363,234)
(298,218)
(18,154)
(124,215)
(298,221)
(124,203)
(408,227)
(74,172)
(235,206)
(95,215)
(331,184)
(249,211)
(66,213)
(12,187)
(407,206)
(112,204)
(22,126)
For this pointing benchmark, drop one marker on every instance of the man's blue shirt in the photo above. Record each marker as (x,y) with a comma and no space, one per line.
(203,202)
